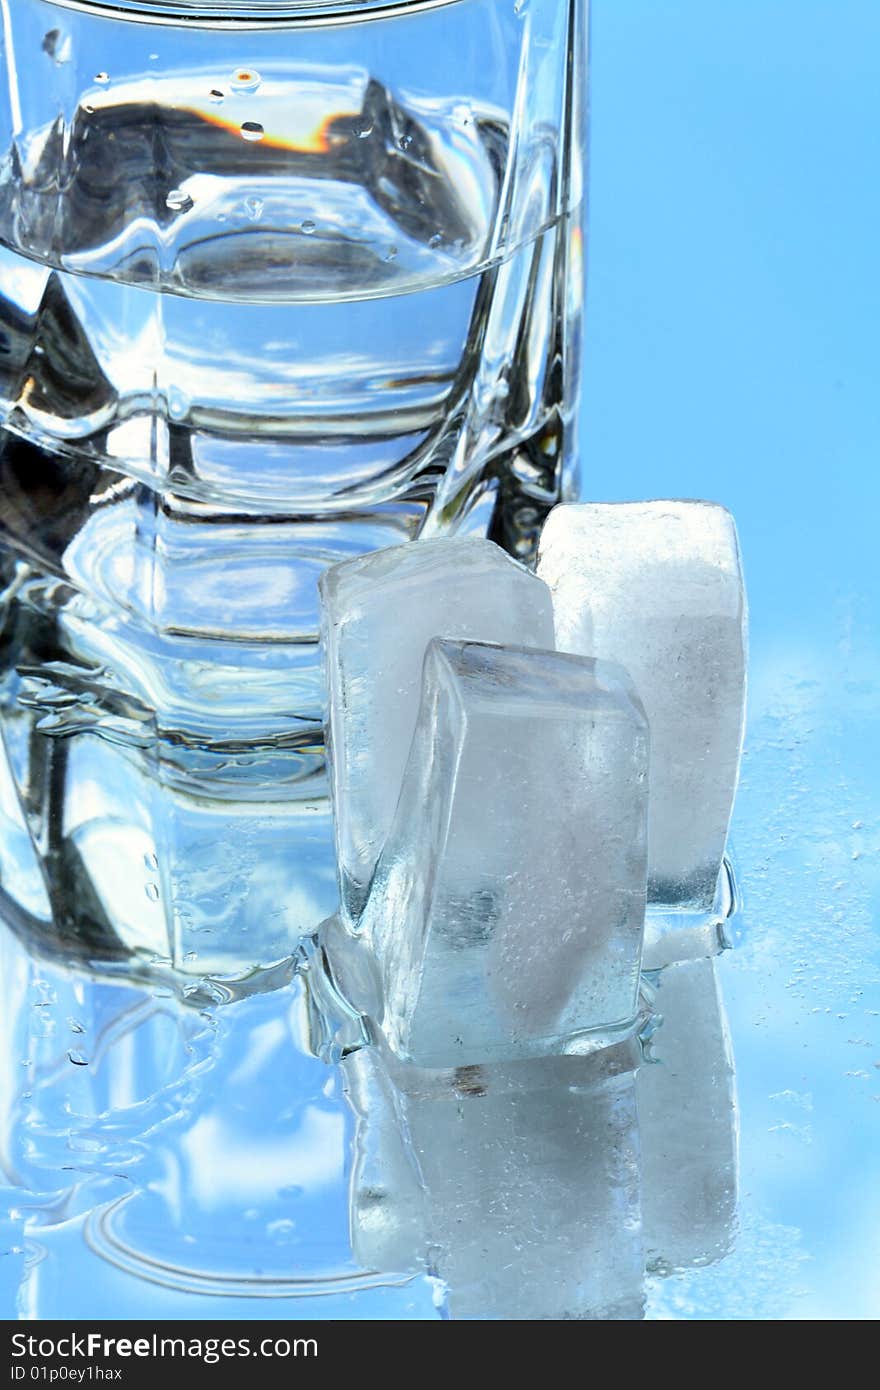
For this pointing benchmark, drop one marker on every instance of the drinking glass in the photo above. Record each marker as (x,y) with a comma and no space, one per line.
(279,284)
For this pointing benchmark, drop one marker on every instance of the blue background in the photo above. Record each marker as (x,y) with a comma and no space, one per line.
(732,354)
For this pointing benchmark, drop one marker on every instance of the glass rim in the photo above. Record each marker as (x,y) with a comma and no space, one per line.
(247,13)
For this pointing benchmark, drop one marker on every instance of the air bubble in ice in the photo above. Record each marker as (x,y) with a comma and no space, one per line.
(245,80)
(252,130)
(254,208)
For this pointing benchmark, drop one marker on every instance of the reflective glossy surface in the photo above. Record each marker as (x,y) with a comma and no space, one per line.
(779,421)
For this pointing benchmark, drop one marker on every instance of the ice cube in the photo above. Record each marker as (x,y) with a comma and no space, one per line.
(507,909)
(379,613)
(527,1196)
(657,587)
(687,1122)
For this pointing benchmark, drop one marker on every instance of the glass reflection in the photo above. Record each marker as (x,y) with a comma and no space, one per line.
(163,1156)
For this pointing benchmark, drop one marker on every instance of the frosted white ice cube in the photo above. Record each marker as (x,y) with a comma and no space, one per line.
(521,1184)
(379,613)
(658,587)
(687,1123)
(507,909)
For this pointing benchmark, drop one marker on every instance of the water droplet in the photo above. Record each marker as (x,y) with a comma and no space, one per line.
(363,128)
(254,207)
(152,57)
(245,80)
(281,1230)
(151,860)
(191,955)
(77,1059)
(102,78)
(177,403)
(435,241)
(463,113)
(519,6)
(215,95)
(75,1025)
(252,130)
(57,45)
(178,201)
(405,141)
(88,108)
(308,227)
(391,254)
(152,892)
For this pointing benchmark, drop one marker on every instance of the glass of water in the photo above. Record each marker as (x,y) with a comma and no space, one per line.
(279,284)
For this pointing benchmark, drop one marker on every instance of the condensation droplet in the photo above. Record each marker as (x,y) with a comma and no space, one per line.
(75,1025)
(308,227)
(151,860)
(152,57)
(215,95)
(405,141)
(102,78)
(519,6)
(77,1059)
(254,208)
(178,201)
(282,1229)
(245,80)
(177,403)
(435,241)
(88,108)
(57,45)
(363,129)
(252,130)
(152,892)
(391,254)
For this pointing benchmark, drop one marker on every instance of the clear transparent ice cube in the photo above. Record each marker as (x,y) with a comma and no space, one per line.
(380,611)
(658,587)
(507,909)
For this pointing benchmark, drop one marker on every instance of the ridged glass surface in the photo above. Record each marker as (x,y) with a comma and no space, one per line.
(270,298)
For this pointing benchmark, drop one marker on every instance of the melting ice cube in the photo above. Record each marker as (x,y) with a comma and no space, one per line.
(507,910)
(658,587)
(380,612)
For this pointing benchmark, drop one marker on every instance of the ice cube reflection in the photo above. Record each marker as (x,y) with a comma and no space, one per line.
(198,1161)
